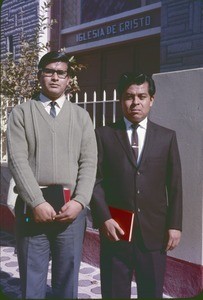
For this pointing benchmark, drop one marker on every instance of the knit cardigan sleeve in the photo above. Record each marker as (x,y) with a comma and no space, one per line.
(28,188)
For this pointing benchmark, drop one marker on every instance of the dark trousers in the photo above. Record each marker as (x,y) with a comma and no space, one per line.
(35,243)
(120,260)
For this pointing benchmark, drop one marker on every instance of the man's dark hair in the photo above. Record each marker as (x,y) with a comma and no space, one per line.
(53,56)
(130,78)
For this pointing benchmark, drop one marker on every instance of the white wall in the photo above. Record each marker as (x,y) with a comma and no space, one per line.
(179,106)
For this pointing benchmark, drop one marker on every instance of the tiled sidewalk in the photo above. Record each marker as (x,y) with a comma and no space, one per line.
(89,277)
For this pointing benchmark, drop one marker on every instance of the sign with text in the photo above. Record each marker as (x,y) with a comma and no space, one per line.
(114,28)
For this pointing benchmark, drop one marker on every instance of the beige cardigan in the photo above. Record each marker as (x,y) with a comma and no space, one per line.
(44,151)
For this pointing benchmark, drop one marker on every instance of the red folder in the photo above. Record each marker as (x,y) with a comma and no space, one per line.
(125,219)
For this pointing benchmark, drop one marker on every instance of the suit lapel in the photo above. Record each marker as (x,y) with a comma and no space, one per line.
(120,132)
(147,143)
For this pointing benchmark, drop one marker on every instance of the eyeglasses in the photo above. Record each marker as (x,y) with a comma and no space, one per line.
(50,72)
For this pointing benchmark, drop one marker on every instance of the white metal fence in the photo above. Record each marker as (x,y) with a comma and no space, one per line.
(101,112)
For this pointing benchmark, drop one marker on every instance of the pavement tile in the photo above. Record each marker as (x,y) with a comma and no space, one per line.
(89,276)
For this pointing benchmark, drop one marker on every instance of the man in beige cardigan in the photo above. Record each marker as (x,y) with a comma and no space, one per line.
(51,146)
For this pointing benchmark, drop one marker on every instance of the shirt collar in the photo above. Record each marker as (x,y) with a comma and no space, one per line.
(45,100)
(142,124)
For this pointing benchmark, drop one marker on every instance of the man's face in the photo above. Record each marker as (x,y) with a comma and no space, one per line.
(53,86)
(136,102)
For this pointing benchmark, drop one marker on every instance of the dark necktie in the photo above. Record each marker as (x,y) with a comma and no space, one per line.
(134,140)
(53,109)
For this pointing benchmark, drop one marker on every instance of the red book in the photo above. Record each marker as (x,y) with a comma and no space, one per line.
(66,194)
(125,219)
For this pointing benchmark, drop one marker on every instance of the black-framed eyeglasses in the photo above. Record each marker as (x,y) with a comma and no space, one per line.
(50,72)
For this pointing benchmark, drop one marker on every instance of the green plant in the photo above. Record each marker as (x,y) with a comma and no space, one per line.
(19,76)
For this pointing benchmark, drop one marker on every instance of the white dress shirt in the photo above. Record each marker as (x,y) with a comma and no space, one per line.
(46,103)
(141,132)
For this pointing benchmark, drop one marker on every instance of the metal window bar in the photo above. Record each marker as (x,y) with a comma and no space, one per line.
(94,108)
(104,109)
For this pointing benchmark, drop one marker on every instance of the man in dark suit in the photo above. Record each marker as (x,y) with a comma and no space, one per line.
(139,169)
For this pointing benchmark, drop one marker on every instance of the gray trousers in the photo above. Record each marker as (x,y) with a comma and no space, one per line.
(34,247)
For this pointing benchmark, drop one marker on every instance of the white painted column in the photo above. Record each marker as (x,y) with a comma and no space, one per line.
(179,106)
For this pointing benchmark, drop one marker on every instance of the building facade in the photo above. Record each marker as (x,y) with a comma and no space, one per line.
(19,20)
(112,37)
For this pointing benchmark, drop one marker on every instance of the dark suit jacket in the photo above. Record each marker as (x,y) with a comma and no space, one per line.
(153,189)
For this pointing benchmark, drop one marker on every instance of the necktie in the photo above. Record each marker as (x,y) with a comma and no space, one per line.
(134,140)
(53,109)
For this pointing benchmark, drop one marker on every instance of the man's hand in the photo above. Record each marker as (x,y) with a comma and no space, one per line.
(112,230)
(173,239)
(69,211)
(44,212)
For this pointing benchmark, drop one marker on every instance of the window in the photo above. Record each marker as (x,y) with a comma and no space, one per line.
(70,11)
(10,47)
